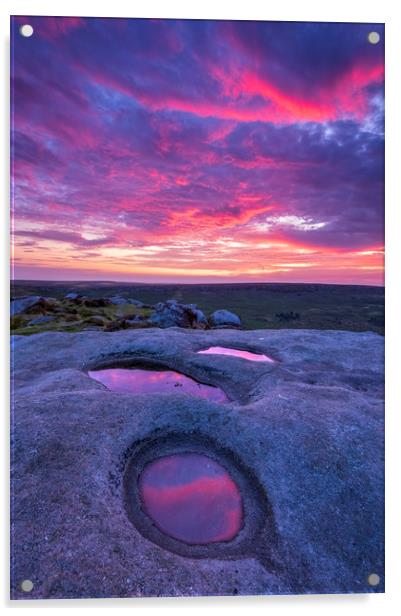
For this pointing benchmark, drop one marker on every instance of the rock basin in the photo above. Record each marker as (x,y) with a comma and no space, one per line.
(191,498)
(144,381)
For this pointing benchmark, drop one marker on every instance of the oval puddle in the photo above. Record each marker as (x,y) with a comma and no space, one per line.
(217,350)
(191,498)
(146,381)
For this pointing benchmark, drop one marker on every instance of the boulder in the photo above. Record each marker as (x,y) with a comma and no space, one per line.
(173,314)
(224,319)
(22,304)
(117,300)
(43,305)
(169,317)
(72,296)
(76,298)
(198,317)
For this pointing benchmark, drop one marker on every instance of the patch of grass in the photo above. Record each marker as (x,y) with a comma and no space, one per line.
(16,321)
(76,318)
(52,327)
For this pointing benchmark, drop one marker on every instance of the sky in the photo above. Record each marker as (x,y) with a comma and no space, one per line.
(197,151)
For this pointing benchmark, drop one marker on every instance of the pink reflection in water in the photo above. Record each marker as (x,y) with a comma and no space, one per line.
(190,497)
(217,350)
(142,381)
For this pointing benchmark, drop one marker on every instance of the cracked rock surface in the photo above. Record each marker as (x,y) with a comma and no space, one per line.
(309,427)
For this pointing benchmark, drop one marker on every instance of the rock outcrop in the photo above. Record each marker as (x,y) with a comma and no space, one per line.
(118,314)
(306,432)
(173,314)
(22,304)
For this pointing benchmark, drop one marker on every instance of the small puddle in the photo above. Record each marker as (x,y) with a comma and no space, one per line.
(217,350)
(190,497)
(144,381)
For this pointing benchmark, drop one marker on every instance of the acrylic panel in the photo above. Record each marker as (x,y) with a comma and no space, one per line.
(197,307)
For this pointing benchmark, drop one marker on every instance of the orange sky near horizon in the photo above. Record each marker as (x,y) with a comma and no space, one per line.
(221,260)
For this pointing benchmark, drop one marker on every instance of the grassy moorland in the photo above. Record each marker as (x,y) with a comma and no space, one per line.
(261,305)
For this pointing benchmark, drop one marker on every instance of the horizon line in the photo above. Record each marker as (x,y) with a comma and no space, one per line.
(259,282)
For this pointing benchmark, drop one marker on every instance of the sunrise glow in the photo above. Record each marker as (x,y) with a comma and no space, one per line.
(197,151)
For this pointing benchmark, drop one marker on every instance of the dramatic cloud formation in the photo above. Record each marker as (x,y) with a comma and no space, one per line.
(172,150)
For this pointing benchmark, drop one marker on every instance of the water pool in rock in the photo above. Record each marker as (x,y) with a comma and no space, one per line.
(217,350)
(143,381)
(191,498)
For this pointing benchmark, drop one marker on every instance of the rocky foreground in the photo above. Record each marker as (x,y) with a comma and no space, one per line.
(305,431)
(36,314)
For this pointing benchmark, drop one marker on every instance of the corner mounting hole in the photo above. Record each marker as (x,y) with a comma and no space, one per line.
(373,579)
(373,38)
(27,585)
(26,30)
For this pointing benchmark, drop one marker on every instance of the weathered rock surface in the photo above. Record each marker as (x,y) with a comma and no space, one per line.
(223,319)
(308,428)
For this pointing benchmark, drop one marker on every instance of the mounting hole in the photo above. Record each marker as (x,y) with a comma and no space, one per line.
(27,585)
(373,37)
(26,30)
(373,579)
